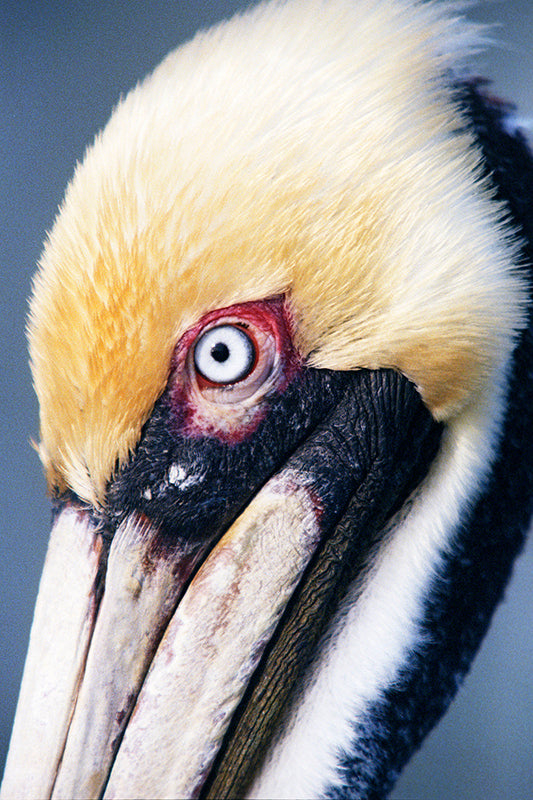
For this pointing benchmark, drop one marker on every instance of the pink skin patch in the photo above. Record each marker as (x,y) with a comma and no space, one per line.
(232,411)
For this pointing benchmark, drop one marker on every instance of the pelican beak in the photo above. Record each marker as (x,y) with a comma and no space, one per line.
(145,642)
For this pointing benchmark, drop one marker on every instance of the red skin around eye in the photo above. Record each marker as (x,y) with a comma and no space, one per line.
(196,416)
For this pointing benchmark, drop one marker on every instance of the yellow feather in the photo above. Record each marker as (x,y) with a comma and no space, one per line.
(312,148)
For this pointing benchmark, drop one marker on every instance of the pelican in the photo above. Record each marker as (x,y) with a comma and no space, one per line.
(281,341)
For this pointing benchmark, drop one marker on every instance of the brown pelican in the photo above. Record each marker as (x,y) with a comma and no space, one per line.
(275,334)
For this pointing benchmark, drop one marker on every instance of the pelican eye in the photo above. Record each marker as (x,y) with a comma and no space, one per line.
(224,354)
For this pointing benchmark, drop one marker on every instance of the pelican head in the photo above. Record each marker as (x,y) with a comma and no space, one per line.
(279,336)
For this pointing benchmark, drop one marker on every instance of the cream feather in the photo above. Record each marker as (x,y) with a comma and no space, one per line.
(307,147)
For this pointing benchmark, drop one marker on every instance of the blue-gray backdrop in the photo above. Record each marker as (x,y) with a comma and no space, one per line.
(63,66)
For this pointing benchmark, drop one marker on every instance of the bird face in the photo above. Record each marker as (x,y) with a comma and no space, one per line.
(270,337)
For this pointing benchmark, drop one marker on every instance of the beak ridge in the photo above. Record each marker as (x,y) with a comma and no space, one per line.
(64,620)
(141,590)
(214,642)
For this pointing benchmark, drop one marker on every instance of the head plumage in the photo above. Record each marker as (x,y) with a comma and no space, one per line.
(309,148)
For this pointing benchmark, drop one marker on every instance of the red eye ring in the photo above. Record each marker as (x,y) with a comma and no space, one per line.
(232,410)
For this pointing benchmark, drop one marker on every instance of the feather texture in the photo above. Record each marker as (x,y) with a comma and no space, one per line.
(309,148)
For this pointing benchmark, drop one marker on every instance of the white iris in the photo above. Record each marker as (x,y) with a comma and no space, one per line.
(224,354)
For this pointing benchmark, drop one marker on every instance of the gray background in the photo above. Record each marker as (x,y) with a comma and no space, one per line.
(63,67)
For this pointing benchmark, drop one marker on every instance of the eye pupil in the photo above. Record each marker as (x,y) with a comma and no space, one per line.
(220,352)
